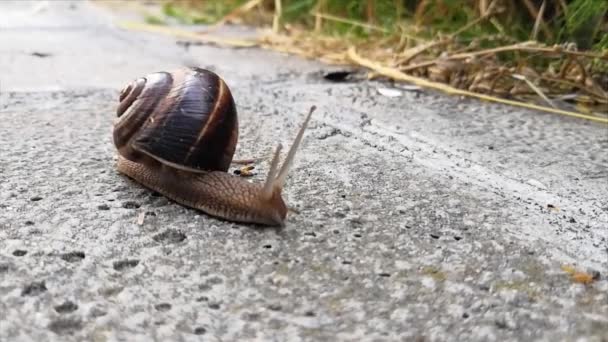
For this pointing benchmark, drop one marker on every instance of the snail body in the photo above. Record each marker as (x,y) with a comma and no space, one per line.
(176,134)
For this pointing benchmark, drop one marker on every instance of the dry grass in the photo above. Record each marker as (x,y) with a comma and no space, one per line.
(557,78)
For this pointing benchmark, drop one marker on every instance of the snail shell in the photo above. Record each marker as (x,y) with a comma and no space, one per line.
(186,119)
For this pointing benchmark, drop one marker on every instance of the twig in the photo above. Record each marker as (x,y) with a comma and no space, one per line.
(483,6)
(416,51)
(276,20)
(420,65)
(563,6)
(534,88)
(319,7)
(349,21)
(370,11)
(538,21)
(398,75)
(419,12)
(603,98)
(535,14)
(529,46)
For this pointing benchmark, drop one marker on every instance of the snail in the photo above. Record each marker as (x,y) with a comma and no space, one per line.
(176,133)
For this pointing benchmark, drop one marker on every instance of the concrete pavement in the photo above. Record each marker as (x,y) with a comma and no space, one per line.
(421,217)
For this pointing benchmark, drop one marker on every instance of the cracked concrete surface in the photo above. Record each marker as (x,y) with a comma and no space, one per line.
(422,217)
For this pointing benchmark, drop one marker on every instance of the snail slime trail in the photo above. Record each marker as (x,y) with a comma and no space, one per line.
(176,134)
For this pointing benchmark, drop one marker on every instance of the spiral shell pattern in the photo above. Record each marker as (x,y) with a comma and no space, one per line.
(186,119)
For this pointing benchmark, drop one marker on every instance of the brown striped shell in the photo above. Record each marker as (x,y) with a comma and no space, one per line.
(186,119)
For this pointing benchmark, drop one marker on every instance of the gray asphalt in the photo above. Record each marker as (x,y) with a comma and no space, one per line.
(422,217)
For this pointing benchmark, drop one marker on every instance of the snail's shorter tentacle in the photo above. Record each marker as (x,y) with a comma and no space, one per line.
(280,181)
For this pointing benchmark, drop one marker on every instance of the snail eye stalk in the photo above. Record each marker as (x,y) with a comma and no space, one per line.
(279,182)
